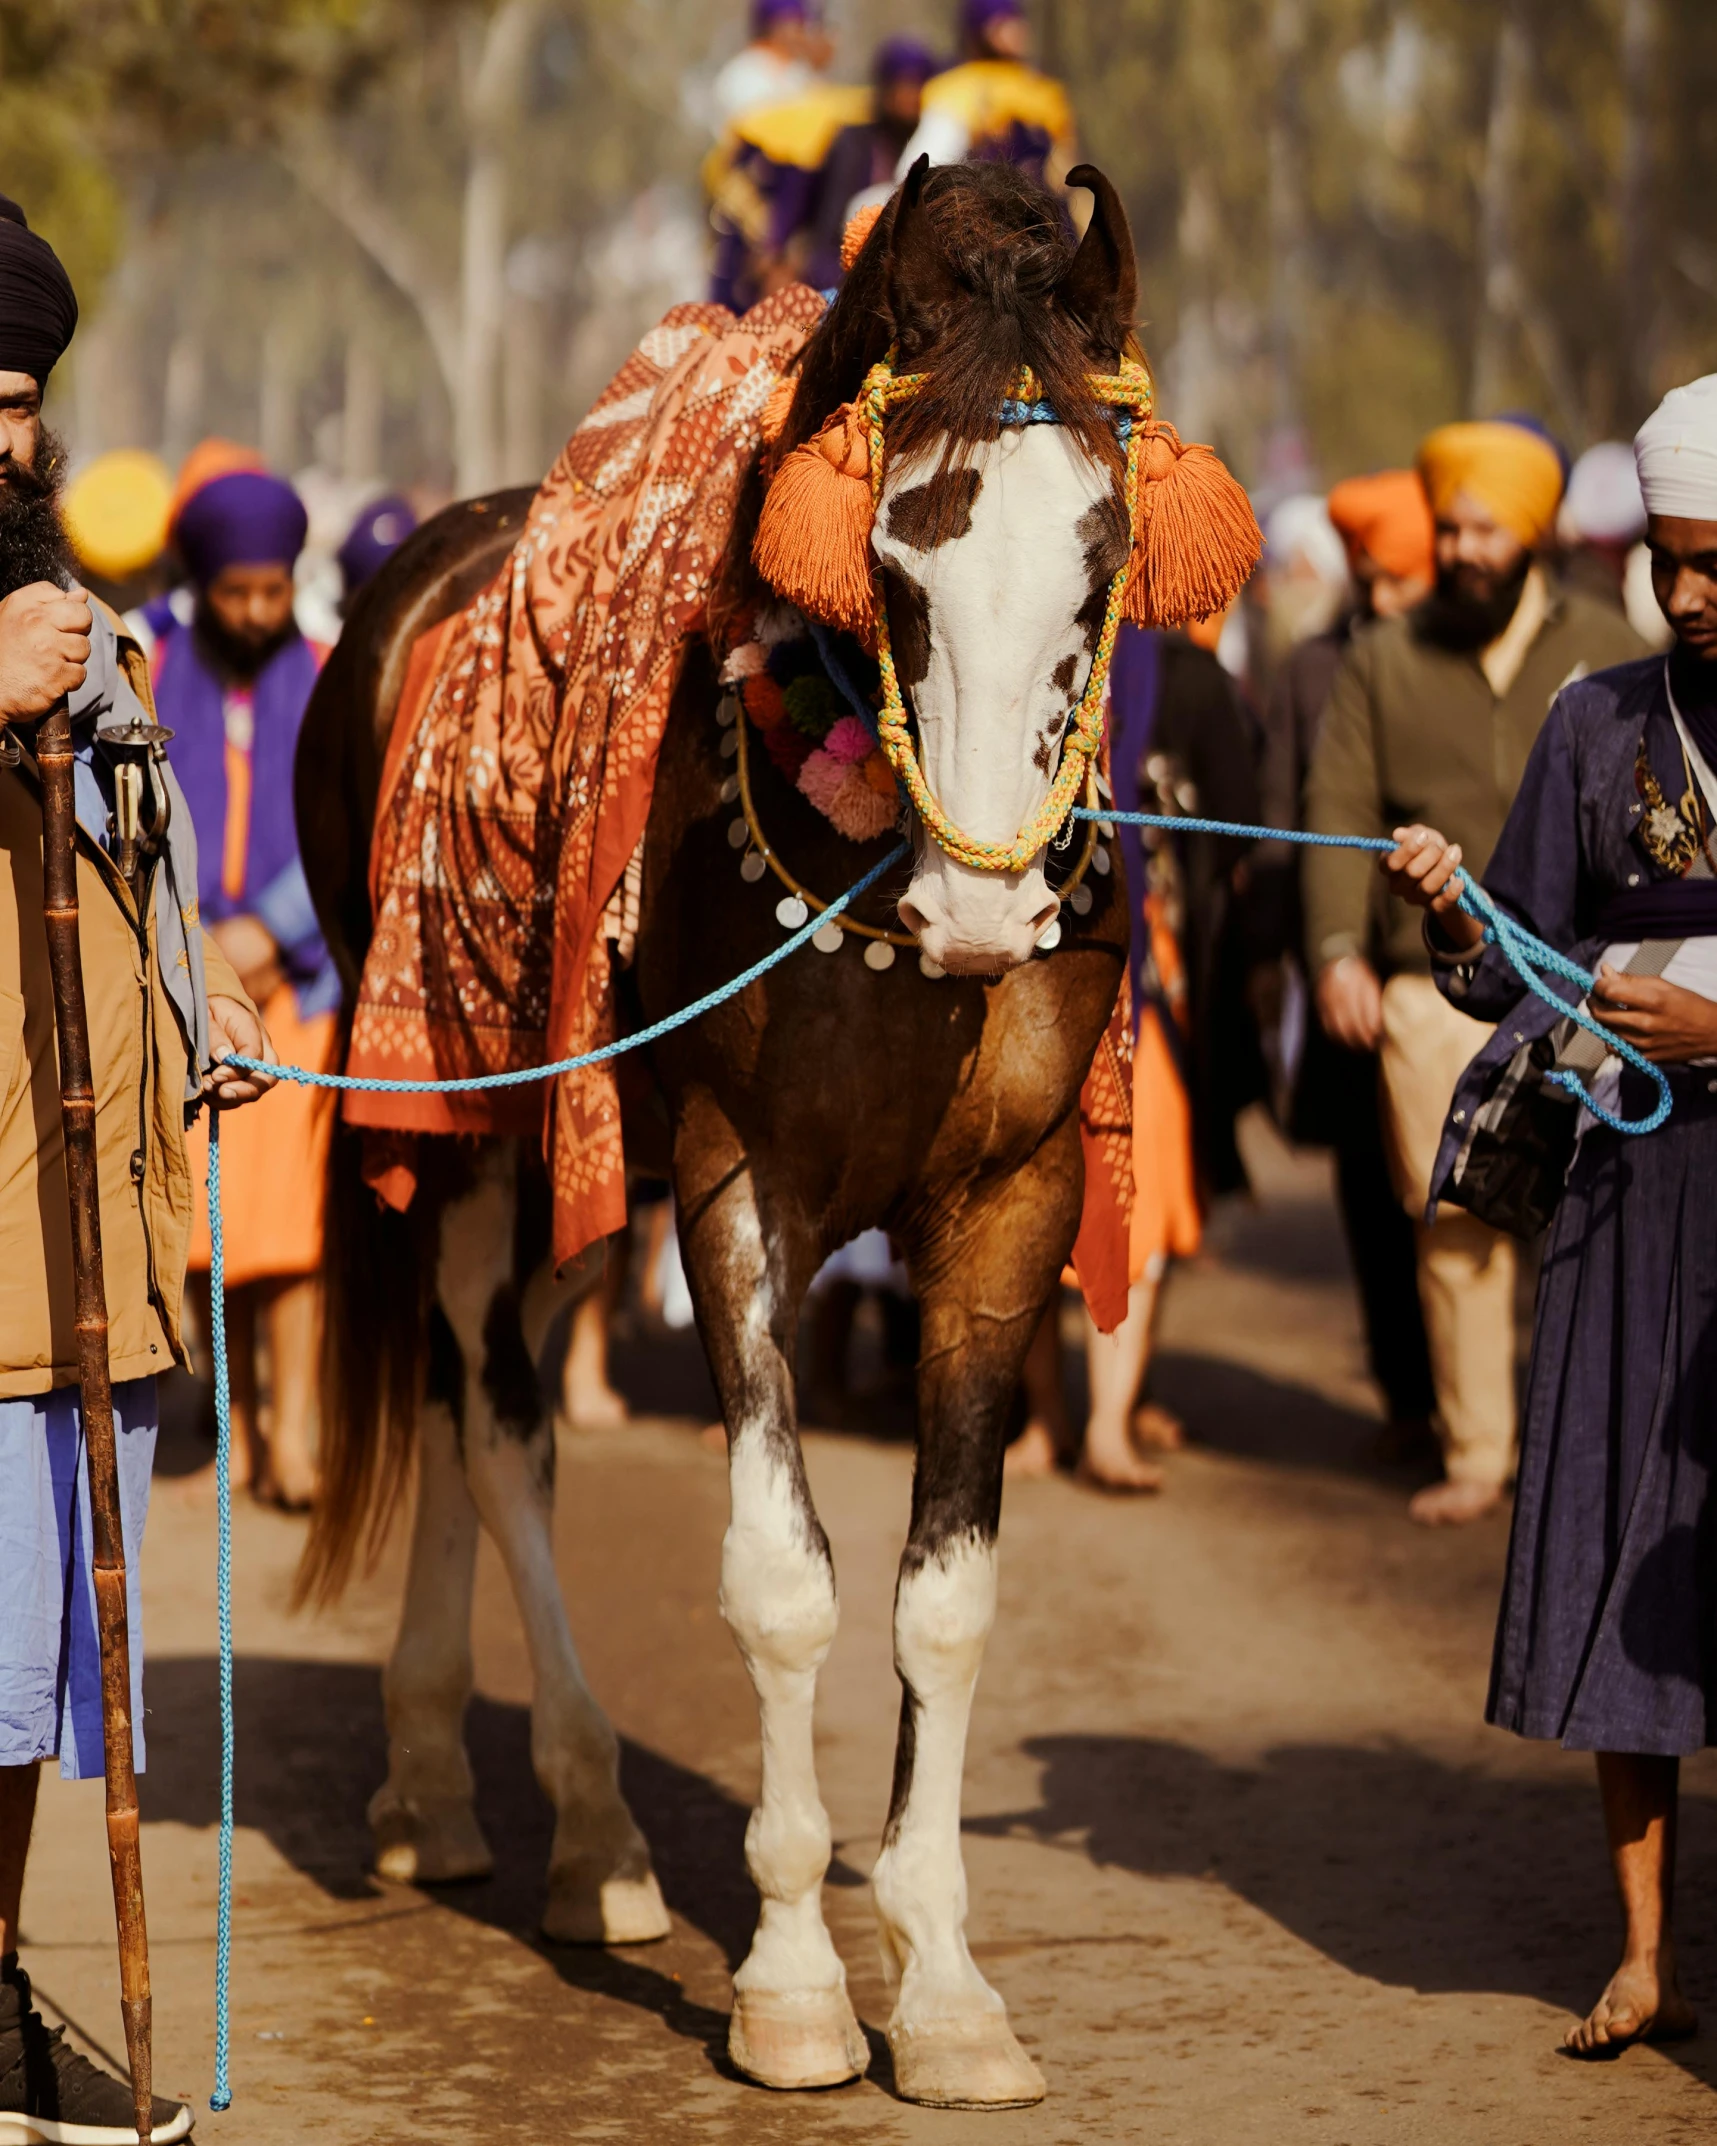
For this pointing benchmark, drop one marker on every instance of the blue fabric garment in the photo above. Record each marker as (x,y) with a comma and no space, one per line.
(190,700)
(1607,1633)
(50,1650)
(1135,691)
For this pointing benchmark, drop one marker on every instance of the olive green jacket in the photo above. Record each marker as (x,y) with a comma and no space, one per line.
(1414,732)
(139,1057)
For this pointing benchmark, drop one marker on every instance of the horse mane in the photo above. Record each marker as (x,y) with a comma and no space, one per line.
(1004,247)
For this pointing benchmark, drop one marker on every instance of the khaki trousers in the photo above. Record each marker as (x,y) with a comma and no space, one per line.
(1466,1270)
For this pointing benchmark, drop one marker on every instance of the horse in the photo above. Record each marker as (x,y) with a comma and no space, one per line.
(934,1098)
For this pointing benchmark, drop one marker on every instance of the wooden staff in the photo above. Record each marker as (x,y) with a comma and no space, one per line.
(77,1118)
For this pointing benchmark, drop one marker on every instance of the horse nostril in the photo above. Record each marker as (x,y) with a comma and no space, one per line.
(1044,918)
(911,915)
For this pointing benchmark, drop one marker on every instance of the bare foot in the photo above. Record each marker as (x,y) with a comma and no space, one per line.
(1157,1430)
(1032,1454)
(1452,1505)
(1643,2003)
(593,1407)
(1123,1472)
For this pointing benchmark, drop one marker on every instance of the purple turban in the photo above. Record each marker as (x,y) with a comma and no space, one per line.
(38,309)
(245,519)
(904,59)
(977,15)
(765,14)
(377,533)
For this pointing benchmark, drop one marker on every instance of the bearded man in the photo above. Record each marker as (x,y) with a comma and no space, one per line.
(1432,718)
(233,686)
(154,1063)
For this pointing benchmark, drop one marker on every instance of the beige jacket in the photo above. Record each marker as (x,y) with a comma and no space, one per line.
(139,1055)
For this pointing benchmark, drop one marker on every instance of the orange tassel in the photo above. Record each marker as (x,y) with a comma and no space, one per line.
(813,537)
(1195,540)
(857,231)
(773,421)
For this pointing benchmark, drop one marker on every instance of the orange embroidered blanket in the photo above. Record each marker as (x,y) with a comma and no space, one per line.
(518,783)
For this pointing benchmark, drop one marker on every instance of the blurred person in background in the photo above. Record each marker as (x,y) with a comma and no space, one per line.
(116,512)
(993,104)
(1431,718)
(1602,533)
(1181,743)
(1604,1635)
(859,167)
(233,686)
(787,51)
(1384,524)
(375,535)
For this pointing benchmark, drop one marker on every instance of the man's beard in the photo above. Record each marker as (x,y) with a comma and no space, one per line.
(237,660)
(33,544)
(1458,616)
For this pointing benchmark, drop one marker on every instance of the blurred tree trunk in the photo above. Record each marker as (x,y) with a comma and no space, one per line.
(464,311)
(182,397)
(361,411)
(1635,221)
(1498,277)
(277,397)
(1287,221)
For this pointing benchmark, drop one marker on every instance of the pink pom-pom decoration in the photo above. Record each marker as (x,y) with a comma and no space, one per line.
(849,741)
(857,811)
(820,779)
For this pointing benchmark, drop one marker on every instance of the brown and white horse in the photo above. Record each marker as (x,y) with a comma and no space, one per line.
(827,1099)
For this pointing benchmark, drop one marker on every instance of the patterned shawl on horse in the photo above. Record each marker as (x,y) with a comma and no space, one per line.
(518,781)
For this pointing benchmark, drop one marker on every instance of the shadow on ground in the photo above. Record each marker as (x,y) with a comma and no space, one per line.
(1402,1868)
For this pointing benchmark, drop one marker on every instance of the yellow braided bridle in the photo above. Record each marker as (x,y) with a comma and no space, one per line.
(1128,390)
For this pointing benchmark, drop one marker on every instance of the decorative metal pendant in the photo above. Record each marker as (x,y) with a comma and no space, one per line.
(790,913)
(752,867)
(1671,834)
(828,940)
(933,969)
(738,834)
(879,955)
(1079,901)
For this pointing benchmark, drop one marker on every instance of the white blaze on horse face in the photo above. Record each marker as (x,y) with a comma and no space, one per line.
(993,642)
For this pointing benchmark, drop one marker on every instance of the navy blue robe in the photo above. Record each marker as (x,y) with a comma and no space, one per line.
(1607,1632)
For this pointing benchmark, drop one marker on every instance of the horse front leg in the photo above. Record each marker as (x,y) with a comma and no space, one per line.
(982,1280)
(602,1889)
(793,2023)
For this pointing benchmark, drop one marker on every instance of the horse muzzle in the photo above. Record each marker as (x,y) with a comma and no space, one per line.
(974,923)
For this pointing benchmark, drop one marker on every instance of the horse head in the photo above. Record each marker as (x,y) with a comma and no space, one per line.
(997,542)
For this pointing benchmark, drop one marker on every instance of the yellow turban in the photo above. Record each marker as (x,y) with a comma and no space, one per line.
(1513,472)
(116,513)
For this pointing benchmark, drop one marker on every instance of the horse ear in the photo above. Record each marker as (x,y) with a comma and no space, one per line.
(1101,286)
(922,286)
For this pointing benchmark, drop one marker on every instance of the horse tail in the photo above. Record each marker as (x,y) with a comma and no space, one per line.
(378,1276)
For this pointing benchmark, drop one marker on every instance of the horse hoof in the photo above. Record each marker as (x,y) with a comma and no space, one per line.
(587,1909)
(434,1842)
(972,2062)
(806,2038)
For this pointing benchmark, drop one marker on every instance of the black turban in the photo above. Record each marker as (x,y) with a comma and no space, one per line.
(38,308)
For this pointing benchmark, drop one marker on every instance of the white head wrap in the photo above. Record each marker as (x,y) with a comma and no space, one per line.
(1676,450)
(1602,504)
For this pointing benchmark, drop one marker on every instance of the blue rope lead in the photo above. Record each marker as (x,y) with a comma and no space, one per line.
(221,2098)
(1524,951)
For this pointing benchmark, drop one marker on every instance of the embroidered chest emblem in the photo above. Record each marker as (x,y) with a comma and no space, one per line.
(1673,834)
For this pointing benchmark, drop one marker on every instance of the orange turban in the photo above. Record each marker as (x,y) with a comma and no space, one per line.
(1388,517)
(206,461)
(1513,472)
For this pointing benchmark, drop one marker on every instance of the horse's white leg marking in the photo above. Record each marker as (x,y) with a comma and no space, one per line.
(949,2033)
(793,2023)
(425,1829)
(601,1887)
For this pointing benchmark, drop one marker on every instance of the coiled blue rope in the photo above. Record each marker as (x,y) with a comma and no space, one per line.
(221,2098)
(1524,951)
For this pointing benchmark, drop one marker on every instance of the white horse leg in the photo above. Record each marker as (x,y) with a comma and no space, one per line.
(793,2023)
(425,1829)
(950,2036)
(602,1889)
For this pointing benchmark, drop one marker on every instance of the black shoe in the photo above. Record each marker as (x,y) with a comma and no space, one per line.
(50,2095)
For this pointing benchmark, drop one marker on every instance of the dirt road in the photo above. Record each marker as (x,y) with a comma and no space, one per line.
(1243,1859)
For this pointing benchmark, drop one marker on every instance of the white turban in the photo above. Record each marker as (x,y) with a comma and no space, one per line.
(1602,504)
(1676,450)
